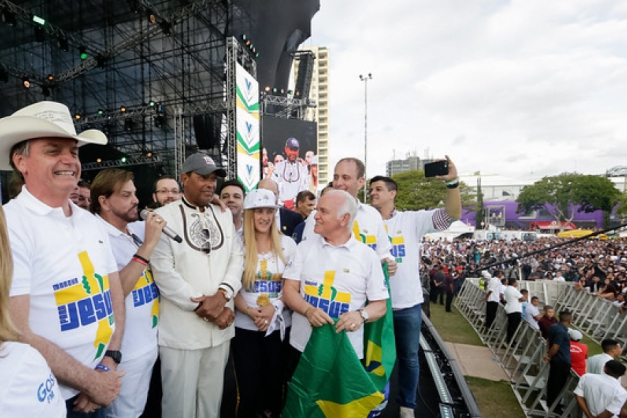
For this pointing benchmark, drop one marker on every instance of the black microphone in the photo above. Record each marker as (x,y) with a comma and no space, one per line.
(166,229)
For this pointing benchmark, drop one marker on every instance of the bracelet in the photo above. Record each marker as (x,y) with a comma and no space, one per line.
(141,260)
(102,367)
(452,184)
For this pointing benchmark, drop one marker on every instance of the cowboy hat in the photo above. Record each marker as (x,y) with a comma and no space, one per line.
(41,120)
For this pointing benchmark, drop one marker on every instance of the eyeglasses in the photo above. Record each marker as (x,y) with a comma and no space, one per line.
(170,191)
(206,246)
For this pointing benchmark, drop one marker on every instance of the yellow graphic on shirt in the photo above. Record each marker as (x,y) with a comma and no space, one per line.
(267,284)
(327,297)
(369,240)
(398,246)
(145,291)
(81,302)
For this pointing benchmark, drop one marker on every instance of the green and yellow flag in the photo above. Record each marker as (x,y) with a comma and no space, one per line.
(330,380)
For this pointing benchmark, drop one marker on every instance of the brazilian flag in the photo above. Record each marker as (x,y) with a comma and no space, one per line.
(330,380)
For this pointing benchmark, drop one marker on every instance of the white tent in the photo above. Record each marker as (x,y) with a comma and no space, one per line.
(456,229)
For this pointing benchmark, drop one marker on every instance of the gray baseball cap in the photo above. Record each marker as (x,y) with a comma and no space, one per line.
(201,163)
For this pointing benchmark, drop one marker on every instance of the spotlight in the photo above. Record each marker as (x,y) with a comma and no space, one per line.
(45,91)
(267,89)
(50,78)
(244,37)
(39,20)
(248,43)
(98,160)
(152,103)
(151,16)
(63,44)
(123,159)
(82,52)
(257,55)
(100,112)
(9,17)
(275,90)
(26,82)
(149,154)
(77,116)
(123,109)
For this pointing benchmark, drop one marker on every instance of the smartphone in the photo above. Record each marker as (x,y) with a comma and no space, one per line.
(437,168)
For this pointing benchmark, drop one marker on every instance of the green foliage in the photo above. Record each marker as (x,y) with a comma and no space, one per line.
(565,191)
(415,192)
(621,210)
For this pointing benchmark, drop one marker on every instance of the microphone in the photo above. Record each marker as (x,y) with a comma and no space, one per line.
(166,229)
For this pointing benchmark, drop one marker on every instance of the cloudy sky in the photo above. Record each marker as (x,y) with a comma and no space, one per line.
(523,88)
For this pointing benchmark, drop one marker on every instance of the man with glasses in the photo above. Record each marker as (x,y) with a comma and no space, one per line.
(197,279)
(166,190)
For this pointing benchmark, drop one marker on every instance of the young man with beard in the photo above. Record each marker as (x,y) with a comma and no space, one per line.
(115,204)
(406,230)
(232,193)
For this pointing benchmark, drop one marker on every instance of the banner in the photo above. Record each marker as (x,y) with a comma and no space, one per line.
(247,125)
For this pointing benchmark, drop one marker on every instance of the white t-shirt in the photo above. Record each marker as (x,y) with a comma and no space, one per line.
(63,264)
(602,392)
(596,363)
(268,287)
(336,280)
(532,312)
(291,179)
(494,286)
(28,389)
(368,228)
(405,230)
(512,296)
(142,304)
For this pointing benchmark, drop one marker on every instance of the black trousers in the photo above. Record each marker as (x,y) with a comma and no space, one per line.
(449,300)
(490,313)
(513,320)
(260,366)
(558,374)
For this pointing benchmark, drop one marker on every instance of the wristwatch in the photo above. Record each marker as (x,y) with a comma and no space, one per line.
(226,291)
(115,355)
(364,314)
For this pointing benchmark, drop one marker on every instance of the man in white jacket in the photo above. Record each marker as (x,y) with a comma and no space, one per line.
(197,279)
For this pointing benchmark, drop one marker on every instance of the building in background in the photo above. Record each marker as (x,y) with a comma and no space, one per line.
(318,94)
(412,162)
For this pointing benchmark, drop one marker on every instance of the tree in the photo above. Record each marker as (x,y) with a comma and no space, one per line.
(560,195)
(416,192)
(480,215)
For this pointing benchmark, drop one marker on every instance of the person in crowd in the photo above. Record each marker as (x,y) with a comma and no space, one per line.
(513,308)
(232,193)
(449,289)
(548,319)
(261,322)
(578,351)
(602,395)
(533,314)
(611,350)
(524,303)
(287,219)
(405,231)
(492,298)
(305,203)
(297,235)
(313,174)
(368,226)
(166,190)
(558,354)
(437,283)
(198,279)
(65,287)
(23,369)
(350,275)
(116,205)
(291,175)
(80,195)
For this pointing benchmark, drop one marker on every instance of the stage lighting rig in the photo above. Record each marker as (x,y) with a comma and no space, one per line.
(26,82)
(9,17)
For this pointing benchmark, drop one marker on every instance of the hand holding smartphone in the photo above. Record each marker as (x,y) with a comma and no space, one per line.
(436,168)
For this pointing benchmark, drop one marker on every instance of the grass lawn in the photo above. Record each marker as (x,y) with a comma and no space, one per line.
(453,327)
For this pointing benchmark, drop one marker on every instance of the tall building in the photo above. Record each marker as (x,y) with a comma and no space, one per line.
(319,94)
(410,163)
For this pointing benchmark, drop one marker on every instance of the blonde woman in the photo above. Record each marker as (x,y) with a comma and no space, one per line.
(260,321)
(28,386)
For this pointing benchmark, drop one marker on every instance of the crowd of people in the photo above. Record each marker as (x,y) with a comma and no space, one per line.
(99,292)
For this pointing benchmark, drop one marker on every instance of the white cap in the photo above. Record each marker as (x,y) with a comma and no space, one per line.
(485,274)
(260,198)
(575,335)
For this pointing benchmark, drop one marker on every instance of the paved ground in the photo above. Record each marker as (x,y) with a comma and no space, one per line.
(476,361)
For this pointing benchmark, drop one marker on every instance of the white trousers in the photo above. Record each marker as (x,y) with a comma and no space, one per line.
(131,401)
(193,381)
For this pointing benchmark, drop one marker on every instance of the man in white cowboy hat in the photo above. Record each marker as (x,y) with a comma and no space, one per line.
(198,279)
(65,286)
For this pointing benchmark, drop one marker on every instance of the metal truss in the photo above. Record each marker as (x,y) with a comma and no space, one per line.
(142,160)
(285,107)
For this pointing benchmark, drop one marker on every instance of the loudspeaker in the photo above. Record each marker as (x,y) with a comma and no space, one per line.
(207,130)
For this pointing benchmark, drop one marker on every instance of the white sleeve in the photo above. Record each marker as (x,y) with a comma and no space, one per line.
(579,389)
(376,288)
(295,265)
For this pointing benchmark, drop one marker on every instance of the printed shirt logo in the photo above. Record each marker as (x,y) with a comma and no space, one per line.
(82,302)
(327,297)
(267,284)
(144,292)
(398,246)
(45,392)
(369,240)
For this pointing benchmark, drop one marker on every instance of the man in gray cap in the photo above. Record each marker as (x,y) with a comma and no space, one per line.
(198,280)
(291,174)
(65,286)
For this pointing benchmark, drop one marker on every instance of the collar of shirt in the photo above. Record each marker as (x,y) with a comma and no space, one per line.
(40,208)
(348,245)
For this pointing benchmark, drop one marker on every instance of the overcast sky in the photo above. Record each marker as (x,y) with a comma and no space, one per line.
(524,88)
